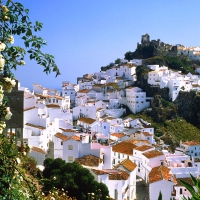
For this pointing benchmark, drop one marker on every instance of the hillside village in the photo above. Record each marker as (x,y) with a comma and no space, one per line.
(84,123)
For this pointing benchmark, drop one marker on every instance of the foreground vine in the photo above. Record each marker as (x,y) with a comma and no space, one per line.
(14,21)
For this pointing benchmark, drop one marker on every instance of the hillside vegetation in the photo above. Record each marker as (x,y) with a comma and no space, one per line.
(171,131)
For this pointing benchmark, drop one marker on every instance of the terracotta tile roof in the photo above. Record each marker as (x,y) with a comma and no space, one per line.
(42,96)
(159,173)
(124,147)
(83,91)
(127,164)
(29,108)
(61,136)
(38,150)
(191,143)
(86,120)
(146,134)
(121,175)
(99,172)
(38,85)
(35,126)
(143,148)
(75,137)
(133,141)
(89,160)
(113,174)
(58,97)
(119,135)
(153,154)
(67,130)
(52,106)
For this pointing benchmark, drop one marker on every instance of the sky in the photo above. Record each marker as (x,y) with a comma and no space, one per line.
(85,35)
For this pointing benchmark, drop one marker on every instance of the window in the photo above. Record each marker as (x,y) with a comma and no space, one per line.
(61,143)
(70,158)
(138,170)
(181,192)
(70,147)
(49,100)
(104,127)
(53,100)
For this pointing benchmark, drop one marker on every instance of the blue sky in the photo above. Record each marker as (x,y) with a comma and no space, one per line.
(84,35)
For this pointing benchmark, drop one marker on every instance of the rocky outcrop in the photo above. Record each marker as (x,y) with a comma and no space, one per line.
(188,104)
(162,110)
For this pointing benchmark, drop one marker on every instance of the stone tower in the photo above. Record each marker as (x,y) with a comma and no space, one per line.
(145,39)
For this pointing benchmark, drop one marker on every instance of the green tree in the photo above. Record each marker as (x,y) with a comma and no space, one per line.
(73,178)
(117,61)
(160,196)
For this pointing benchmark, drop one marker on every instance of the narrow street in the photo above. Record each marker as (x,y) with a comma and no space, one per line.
(142,190)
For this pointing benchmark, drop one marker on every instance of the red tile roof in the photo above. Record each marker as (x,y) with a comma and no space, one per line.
(38,150)
(159,173)
(86,120)
(83,91)
(119,135)
(127,164)
(61,136)
(191,143)
(29,108)
(124,147)
(52,106)
(143,148)
(99,172)
(35,126)
(153,154)
(146,134)
(89,160)
(121,175)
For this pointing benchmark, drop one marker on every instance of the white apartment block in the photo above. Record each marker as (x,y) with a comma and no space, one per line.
(136,99)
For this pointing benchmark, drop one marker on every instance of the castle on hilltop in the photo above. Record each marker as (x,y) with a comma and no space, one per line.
(160,47)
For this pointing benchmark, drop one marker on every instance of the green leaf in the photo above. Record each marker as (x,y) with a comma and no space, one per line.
(26,44)
(29,32)
(193,179)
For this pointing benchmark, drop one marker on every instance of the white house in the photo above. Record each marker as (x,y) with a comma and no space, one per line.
(191,148)
(160,180)
(89,125)
(136,99)
(38,154)
(117,181)
(68,90)
(150,159)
